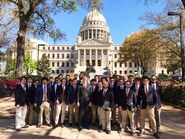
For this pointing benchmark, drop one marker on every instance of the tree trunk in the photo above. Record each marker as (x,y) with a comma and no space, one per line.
(20,48)
(183,2)
(183,64)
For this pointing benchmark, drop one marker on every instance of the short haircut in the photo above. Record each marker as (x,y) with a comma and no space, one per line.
(137,79)
(93,80)
(44,78)
(22,78)
(145,77)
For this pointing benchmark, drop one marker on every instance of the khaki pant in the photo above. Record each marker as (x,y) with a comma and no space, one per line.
(73,107)
(99,110)
(44,108)
(94,113)
(106,119)
(137,118)
(150,112)
(158,118)
(130,115)
(31,114)
(114,113)
(20,116)
(60,109)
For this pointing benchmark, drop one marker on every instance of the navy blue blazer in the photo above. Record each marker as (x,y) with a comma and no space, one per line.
(143,100)
(158,92)
(39,94)
(61,94)
(72,94)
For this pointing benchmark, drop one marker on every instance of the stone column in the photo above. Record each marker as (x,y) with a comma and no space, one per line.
(84,57)
(90,54)
(102,58)
(96,59)
(79,62)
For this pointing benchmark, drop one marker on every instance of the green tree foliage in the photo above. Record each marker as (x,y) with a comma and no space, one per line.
(29,64)
(44,66)
(35,17)
(141,48)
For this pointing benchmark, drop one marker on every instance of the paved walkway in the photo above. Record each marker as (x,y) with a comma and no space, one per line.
(173,127)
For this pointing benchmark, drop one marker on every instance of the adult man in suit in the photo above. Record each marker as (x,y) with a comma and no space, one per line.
(61,102)
(127,105)
(83,101)
(106,101)
(93,96)
(72,100)
(21,102)
(147,101)
(53,83)
(31,96)
(157,110)
(43,100)
(135,87)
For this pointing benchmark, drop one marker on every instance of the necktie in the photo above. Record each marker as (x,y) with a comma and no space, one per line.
(146,91)
(104,92)
(137,89)
(45,93)
(84,89)
(127,91)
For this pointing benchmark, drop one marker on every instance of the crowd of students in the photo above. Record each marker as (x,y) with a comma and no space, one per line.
(120,101)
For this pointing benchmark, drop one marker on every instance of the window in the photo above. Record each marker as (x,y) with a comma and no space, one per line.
(58,56)
(53,48)
(44,48)
(67,56)
(105,52)
(72,55)
(135,65)
(67,64)
(115,55)
(72,64)
(58,48)
(67,71)
(53,71)
(99,62)
(81,52)
(99,52)
(115,48)
(162,71)
(130,71)
(57,64)
(62,71)
(130,64)
(120,64)
(62,55)
(53,64)
(93,62)
(48,55)
(93,52)
(48,48)
(115,64)
(115,72)
(53,55)
(57,71)
(87,62)
(63,48)
(87,52)
(120,72)
(62,64)
(125,71)
(67,48)
(125,64)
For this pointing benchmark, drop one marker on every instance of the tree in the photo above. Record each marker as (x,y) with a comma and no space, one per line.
(44,66)
(142,48)
(35,16)
(168,29)
(2,56)
(29,64)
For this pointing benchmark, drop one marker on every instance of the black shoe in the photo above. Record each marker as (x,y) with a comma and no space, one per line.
(70,124)
(108,131)
(159,132)
(49,125)
(132,133)
(18,130)
(62,125)
(26,126)
(156,135)
(87,127)
(80,128)
(99,128)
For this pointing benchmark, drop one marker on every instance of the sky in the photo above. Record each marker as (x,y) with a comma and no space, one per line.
(122,17)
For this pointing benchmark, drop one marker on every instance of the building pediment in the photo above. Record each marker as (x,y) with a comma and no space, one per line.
(93,42)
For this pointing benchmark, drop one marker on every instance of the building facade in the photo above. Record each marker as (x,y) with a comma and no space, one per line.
(93,46)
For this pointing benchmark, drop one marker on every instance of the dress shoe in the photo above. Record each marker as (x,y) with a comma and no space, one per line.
(18,130)
(49,125)
(26,126)
(156,135)
(108,131)
(62,125)
(39,126)
(159,132)
(80,128)
(70,124)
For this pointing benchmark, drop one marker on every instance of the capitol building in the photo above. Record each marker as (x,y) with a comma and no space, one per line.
(93,46)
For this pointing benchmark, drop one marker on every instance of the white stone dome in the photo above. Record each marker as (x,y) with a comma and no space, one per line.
(94,16)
